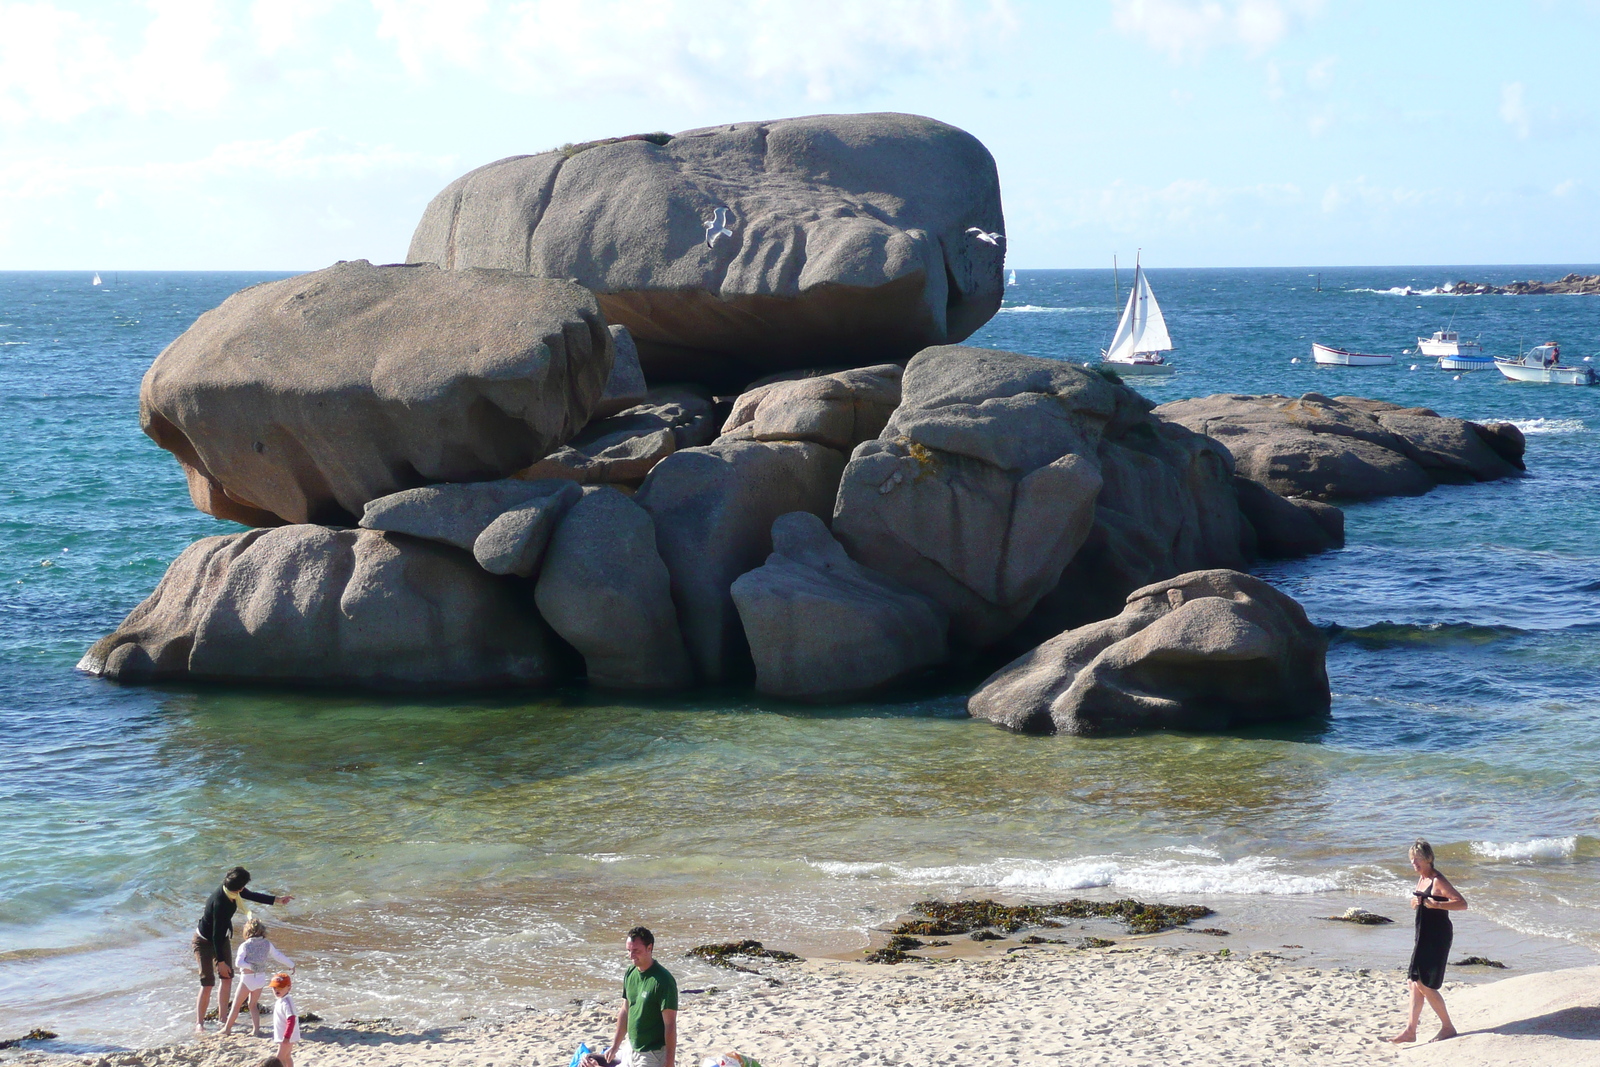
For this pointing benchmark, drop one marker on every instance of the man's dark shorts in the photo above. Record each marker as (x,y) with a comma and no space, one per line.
(206,958)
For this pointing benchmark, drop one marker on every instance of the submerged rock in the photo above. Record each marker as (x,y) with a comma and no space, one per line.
(1347,448)
(850,239)
(605,590)
(305,604)
(1209,650)
(713,509)
(823,627)
(304,399)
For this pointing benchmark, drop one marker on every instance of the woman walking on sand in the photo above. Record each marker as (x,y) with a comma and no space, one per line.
(1433,897)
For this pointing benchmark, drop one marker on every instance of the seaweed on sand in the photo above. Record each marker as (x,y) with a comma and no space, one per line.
(32,1035)
(1478,961)
(963,916)
(722,955)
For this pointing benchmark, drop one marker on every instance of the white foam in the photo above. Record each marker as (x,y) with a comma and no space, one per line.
(1542,425)
(1538,848)
(1252,875)
(1035,308)
(1406,290)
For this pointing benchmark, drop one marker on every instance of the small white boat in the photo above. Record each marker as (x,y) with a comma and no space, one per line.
(1460,363)
(96,279)
(1447,343)
(1141,334)
(1013,279)
(1542,363)
(1329,356)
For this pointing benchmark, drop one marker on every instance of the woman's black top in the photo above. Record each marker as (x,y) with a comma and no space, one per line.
(216,922)
(1432,946)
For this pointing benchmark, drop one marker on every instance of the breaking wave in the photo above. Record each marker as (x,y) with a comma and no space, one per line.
(1252,875)
(1037,309)
(1538,848)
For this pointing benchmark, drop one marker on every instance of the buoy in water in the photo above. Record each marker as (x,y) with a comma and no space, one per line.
(1296,359)
(1413,366)
(1456,378)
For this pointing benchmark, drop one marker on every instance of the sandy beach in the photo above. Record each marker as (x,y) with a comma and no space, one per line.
(1028,1004)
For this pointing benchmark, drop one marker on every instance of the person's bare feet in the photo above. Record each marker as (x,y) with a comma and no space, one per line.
(1405,1037)
(199,1028)
(1443,1035)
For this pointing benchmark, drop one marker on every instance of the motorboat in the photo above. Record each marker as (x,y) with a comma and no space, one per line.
(1542,363)
(1448,343)
(1329,356)
(1461,363)
(1141,334)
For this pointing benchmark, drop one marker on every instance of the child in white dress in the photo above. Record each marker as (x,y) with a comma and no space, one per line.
(251,964)
(285,1020)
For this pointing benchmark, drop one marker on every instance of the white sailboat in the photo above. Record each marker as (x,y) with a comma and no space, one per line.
(96,279)
(1013,279)
(1141,335)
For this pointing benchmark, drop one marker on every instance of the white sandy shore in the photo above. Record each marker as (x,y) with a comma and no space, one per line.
(1148,1005)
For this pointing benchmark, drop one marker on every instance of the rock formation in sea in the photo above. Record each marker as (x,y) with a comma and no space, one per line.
(1570,284)
(1346,447)
(789,479)
(301,400)
(1208,650)
(851,239)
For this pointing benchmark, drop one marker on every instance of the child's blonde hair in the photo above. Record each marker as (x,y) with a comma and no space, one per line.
(255,928)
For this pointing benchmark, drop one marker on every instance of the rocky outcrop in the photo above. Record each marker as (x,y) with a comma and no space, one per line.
(301,400)
(505,524)
(735,251)
(1287,528)
(1209,650)
(1347,448)
(998,469)
(305,604)
(1570,284)
(713,509)
(822,627)
(626,386)
(605,590)
(624,448)
(840,410)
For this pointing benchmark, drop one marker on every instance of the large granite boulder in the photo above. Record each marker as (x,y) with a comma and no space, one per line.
(622,449)
(997,469)
(505,524)
(1288,527)
(306,604)
(850,239)
(822,627)
(303,399)
(626,386)
(713,509)
(1347,448)
(605,590)
(1209,650)
(840,410)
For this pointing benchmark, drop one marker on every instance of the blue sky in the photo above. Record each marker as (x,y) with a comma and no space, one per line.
(285,134)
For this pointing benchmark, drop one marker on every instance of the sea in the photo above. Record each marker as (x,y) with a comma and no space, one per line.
(455,857)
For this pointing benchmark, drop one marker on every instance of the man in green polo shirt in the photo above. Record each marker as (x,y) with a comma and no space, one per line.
(649,1015)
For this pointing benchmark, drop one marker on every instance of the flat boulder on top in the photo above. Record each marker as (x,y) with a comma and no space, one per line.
(306,604)
(849,239)
(1346,447)
(713,509)
(840,409)
(998,468)
(1209,650)
(303,399)
(822,627)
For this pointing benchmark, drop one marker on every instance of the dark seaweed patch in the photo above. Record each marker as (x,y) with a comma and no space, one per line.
(1478,961)
(963,916)
(722,955)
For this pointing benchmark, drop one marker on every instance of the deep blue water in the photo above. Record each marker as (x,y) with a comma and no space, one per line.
(503,839)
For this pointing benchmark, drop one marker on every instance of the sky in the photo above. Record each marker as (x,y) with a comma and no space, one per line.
(286,134)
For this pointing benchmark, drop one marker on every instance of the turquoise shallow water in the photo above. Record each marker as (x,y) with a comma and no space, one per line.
(455,855)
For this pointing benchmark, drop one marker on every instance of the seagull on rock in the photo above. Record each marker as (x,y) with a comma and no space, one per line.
(717,227)
(986,237)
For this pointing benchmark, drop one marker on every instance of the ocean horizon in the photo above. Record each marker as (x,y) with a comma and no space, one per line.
(471,854)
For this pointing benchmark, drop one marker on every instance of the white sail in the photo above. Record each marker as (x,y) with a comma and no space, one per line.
(1013,280)
(1142,328)
(96,280)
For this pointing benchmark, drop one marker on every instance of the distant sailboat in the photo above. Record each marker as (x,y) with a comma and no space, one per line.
(96,279)
(1141,336)
(1013,279)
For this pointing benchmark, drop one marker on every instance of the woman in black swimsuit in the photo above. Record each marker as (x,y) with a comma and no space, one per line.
(1433,897)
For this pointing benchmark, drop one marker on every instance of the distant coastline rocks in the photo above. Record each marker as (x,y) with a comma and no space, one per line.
(1349,448)
(1569,285)
(849,240)
(784,483)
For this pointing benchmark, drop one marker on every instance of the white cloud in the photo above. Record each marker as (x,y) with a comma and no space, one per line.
(1514,108)
(1188,28)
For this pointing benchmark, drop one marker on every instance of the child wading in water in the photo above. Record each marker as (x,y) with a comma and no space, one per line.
(251,963)
(285,1020)
(1432,897)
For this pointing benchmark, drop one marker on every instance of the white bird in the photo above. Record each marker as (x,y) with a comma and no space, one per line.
(986,237)
(717,227)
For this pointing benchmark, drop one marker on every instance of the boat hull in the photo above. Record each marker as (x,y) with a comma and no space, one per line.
(1517,372)
(1145,370)
(1460,363)
(1338,357)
